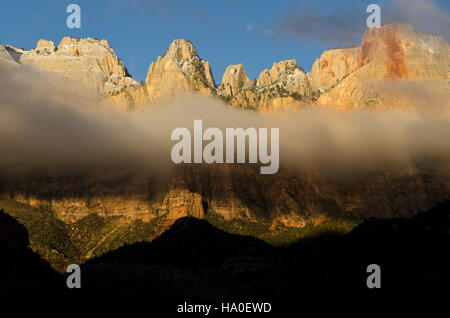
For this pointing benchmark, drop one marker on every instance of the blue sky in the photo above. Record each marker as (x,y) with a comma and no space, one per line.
(255,33)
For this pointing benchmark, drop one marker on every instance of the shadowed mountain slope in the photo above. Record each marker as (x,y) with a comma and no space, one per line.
(23,272)
(194,259)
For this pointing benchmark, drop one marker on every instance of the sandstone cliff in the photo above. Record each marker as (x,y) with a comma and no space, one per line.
(87,61)
(234,79)
(332,67)
(285,76)
(390,54)
(348,78)
(234,192)
(180,69)
(6,58)
(351,78)
(279,89)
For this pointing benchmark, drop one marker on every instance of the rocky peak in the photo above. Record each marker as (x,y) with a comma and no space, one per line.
(278,70)
(393,52)
(88,61)
(285,76)
(5,57)
(332,66)
(401,52)
(377,40)
(277,90)
(234,79)
(15,52)
(340,76)
(44,45)
(182,49)
(180,69)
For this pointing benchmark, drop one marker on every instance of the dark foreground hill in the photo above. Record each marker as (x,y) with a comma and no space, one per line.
(194,259)
(23,272)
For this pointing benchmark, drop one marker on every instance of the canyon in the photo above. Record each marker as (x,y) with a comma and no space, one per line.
(92,216)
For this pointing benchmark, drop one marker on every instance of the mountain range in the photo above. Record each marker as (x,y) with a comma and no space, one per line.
(346,78)
(73,218)
(194,260)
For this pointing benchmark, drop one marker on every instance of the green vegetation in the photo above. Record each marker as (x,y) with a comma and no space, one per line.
(315,95)
(48,236)
(62,244)
(128,233)
(280,234)
(296,96)
(283,235)
(238,226)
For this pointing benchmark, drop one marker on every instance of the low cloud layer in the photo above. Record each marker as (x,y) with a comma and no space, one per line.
(46,125)
(344,22)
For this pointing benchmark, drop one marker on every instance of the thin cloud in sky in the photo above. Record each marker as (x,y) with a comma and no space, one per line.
(335,24)
(424,15)
(344,22)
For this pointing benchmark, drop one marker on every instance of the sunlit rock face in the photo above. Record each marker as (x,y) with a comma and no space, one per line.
(346,78)
(234,79)
(235,192)
(278,90)
(285,76)
(364,77)
(402,53)
(5,58)
(390,56)
(332,67)
(89,62)
(393,64)
(179,70)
